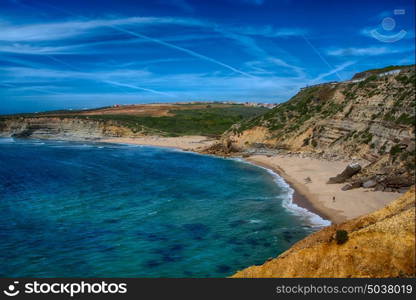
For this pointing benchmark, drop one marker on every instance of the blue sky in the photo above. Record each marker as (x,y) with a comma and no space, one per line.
(82,54)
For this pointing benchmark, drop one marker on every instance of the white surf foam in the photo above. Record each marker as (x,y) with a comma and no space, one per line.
(254,221)
(287,199)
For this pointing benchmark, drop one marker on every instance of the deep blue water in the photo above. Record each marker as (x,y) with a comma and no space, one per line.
(103,210)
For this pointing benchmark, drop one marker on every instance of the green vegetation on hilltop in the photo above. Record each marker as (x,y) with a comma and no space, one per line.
(289,116)
(318,103)
(206,121)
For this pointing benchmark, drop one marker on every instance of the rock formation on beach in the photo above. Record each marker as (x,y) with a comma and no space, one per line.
(379,244)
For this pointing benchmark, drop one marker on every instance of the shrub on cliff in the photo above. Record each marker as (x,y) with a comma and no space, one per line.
(341,236)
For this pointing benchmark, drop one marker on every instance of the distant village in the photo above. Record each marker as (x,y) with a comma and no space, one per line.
(250,104)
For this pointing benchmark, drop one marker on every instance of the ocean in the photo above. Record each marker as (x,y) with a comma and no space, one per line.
(72,209)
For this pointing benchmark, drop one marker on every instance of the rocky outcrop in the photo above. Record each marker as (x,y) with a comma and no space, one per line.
(348,172)
(60,128)
(380,244)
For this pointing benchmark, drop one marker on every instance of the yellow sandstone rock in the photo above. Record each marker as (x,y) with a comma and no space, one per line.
(380,244)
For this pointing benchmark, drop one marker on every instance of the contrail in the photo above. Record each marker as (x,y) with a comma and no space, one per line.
(185,50)
(160,42)
(136,87)
(105,81)
(321,57)
(38,89)
(335,70)
(114,83)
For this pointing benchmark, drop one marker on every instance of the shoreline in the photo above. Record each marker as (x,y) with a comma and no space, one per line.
(326,200)
(316,196)
(300,198)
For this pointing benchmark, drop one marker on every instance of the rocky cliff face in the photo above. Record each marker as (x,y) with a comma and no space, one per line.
(60,128)
(380,244)
(371,119)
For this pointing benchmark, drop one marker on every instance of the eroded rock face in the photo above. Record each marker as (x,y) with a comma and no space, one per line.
(60,128)
(370,120)
(380,244)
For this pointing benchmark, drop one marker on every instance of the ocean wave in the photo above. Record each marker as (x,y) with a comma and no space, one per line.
(287,203)
(293,207)
(74,146)
(254,221)
(6,140)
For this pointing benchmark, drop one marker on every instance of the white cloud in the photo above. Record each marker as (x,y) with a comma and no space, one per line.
(30,39)
(155,86)
(281,74)
(70,29)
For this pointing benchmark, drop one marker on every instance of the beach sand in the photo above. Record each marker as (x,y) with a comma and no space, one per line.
(316,196)
(191,143)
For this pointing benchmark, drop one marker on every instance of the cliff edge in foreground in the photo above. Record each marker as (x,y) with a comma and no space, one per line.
(380,244)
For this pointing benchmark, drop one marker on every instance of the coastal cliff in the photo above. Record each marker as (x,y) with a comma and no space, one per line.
(209,119)
(60,128)
(371,118)
(379,244)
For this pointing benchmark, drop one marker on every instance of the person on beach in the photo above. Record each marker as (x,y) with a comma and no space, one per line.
(333,199)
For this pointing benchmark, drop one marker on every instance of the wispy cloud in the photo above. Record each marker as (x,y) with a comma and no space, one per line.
(84,48)
(70,29)
(20,48)
(66,30)
(251,46)
(135,87)
(182,49)
(270,31)
(186,86)
(366,51)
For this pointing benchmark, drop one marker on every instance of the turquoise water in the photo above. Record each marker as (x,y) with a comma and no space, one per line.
(104,210)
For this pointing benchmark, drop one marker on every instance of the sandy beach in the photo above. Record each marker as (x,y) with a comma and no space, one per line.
(316,196)
(319,194)
(190,143)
